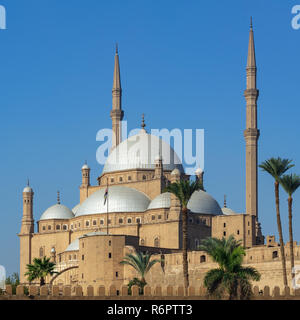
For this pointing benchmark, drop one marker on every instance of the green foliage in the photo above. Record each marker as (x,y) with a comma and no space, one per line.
(14,281)
(142,263)
(276,167)
(183,190)
(230,278)
(290,183)
(136,282)
(40,269)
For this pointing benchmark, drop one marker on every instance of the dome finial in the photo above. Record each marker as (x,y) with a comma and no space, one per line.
(225,204)
(251,24)
(28,182)
(143,122)
(58,197)
(117,48)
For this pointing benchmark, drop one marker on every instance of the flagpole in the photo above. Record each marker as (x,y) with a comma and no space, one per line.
(107,207)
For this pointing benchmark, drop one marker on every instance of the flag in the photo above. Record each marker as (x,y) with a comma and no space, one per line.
(105,195)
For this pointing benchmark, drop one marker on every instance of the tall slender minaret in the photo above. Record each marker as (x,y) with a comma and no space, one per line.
(27,230)
(116,113)
(251,133)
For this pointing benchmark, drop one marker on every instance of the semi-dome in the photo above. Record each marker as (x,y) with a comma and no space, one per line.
(228,211)
(58,211)
(85,166)
(120,199)
(161,201)
(201,202)
(139,152)
(73,246)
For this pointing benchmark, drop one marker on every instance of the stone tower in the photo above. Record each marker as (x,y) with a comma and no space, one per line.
(85,182)
(251,133)
(27,230)
(116,113)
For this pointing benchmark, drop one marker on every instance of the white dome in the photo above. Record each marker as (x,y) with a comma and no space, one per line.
(85,166)
(228,211)
(58,211)
(27,189)
(120,199)
(161,201)
(201,202)
(139,152)
(73,246)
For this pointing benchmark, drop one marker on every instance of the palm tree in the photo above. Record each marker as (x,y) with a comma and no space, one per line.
(290,183)
(183,190)
(142,264)
(230,277)
(276,168)
(40,269)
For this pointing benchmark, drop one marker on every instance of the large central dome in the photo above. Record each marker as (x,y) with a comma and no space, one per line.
(140,152)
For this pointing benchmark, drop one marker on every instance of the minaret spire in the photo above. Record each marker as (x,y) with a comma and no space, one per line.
(251,133)
(116,113)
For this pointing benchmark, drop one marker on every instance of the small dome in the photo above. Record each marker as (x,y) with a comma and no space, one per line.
(199,171)
(175,172)
(85,166)
(161,201)
(73,246)
(228,211)
(120,199)
(58,211)
(201,202)
(27,189)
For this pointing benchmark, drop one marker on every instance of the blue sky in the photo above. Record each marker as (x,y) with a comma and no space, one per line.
(182,64)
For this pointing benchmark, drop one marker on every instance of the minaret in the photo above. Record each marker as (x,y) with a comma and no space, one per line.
(251,133)
(116,113)
(27,219)
(27,230)
(85,182)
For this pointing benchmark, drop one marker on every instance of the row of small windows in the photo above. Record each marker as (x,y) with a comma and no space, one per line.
(129,178)
(57,227)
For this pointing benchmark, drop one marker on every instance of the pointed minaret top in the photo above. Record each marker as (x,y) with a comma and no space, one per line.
(58,197)
(28,184)
(251,62)
(117,78)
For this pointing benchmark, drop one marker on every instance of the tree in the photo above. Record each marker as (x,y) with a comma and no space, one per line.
(183,190)
(230,277)
(276,168)
(142,263)
(40,269)
(290,183)
(14,281)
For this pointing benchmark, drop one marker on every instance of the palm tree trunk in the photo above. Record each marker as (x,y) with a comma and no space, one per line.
(184,248)
(280,234)
(290,202)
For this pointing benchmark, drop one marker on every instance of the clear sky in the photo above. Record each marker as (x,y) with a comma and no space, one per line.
(182,64)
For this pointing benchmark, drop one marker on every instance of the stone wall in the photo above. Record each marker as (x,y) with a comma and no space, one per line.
(121,293)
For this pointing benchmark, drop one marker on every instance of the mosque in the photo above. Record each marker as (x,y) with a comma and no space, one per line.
(127,210)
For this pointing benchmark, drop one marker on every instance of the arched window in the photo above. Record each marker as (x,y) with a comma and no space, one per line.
(41,252)
(275,254)
(120,220)
(156,242)
(129,220)
(121,179)
(57,227)
(202,259)
(144,177)
(65,227)
(94,222)
(142,242)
